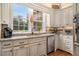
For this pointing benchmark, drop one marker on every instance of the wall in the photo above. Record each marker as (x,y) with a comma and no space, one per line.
(0,20)
(6,14)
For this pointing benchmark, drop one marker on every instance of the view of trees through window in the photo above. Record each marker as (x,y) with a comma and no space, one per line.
(20,17)
(38,20)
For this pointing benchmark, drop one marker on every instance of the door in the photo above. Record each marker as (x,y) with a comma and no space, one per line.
(33,49)
(42,50)
(21,50)
(7,52)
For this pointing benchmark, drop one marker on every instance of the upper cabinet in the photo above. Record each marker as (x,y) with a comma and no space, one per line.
(64,17)
(57,18)
(69,15)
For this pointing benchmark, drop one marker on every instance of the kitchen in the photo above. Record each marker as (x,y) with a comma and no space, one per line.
(38,29)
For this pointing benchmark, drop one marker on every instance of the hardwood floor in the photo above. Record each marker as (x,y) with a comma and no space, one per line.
(59,53)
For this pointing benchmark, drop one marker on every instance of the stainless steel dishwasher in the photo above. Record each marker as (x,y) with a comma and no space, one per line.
(50,44)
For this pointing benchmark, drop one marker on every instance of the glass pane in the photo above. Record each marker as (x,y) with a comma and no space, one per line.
(20,16)
(38,17)
(21,27)
(15,21)
(15,27)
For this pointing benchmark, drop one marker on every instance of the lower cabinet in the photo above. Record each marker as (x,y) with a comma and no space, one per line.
(76,50)
(38,49)
(7,52)
(35,48)
(42,48)
(66,43)
(61,42)
(21,50)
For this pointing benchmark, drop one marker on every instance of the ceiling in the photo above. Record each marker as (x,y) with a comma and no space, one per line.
(61,5)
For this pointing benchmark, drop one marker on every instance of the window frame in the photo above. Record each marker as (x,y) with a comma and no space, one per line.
(29,25)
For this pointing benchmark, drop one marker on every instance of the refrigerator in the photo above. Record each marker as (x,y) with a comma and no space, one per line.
(76,34)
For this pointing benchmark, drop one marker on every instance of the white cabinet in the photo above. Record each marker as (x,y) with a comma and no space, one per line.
(61,42)
(24,47)
(76,50)
(66,43)
(57,18)
(56,41)
(7,52)
(64,17)
(33,49)
(21,50)
(68,46)
(69,12)
(38,49)
(42,48)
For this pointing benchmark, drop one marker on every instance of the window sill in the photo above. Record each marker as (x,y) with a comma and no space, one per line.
(23,32)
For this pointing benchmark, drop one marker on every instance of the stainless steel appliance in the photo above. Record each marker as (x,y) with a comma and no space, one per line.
(76,34)
(51,44)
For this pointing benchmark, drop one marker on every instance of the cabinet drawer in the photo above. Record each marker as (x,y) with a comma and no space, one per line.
(21,47)
(36,39)
(6,44)
(7,52)
(20,42)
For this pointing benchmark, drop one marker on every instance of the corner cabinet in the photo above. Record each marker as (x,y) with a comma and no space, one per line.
(66,43)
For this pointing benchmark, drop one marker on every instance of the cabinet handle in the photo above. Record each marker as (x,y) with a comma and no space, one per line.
(39,44)
(21,42)
(10,50)
(21,47)
(7,44)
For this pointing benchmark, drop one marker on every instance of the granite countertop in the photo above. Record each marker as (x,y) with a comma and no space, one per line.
(26,37)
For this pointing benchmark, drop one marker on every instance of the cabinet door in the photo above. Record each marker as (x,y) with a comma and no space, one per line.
(21,50)
(68,44)
(57,18)
(33,49)
(62,20)
(76,50)
(56,42)
(61,42)
(42,48)
(71,13)
(7,52)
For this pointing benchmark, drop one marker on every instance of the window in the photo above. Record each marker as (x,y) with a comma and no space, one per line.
(38,20)
(20,17)
(27,19)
